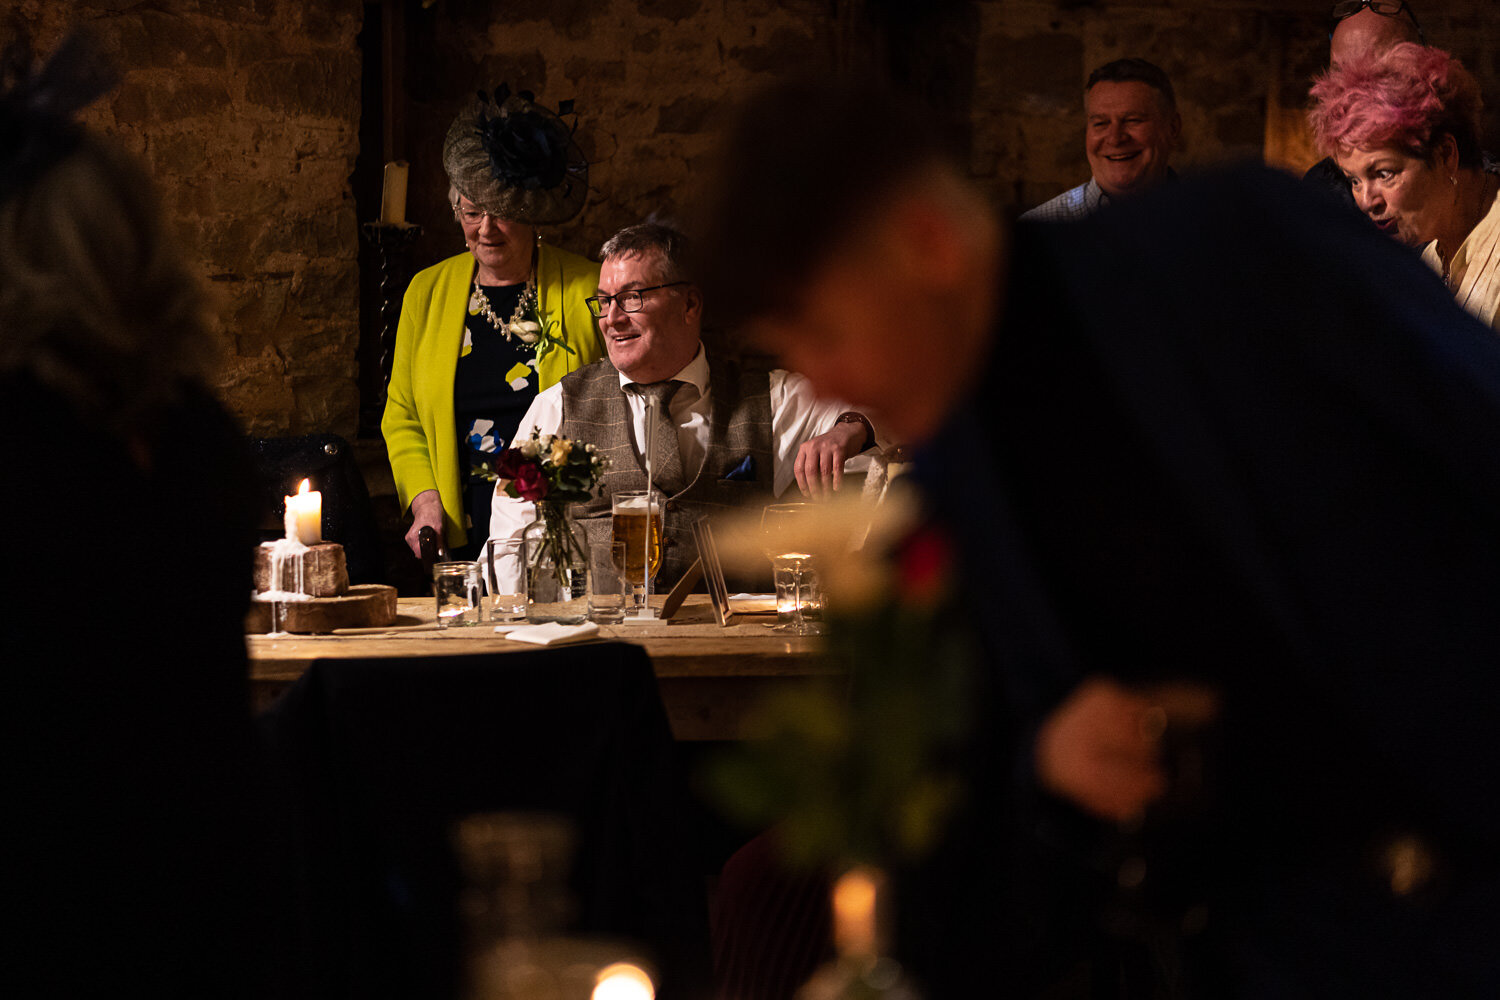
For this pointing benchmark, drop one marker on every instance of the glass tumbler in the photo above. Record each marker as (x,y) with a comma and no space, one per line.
(607,582)
(457,588)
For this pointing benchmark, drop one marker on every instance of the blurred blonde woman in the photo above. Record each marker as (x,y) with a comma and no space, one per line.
(129,818)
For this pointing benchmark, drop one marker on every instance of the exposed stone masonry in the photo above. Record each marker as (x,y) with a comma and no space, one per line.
(248,113)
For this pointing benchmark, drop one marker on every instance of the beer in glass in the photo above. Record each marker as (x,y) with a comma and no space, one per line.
(637,522)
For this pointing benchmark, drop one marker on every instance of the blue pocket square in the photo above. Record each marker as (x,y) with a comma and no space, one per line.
(742,473)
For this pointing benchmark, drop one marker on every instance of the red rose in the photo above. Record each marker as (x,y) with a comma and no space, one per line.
(925,560)
(525,474)
(508,462)
(531,482)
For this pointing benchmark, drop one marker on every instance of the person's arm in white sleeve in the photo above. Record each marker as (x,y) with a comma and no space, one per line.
(510,515)
(809,442)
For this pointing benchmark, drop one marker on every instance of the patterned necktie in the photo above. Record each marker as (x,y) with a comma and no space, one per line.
(666,472)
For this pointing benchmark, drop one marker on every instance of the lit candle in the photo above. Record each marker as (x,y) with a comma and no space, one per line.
(855,920)
(304,515)
(623,981)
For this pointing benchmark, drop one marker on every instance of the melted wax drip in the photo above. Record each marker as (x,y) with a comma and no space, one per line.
(281,550)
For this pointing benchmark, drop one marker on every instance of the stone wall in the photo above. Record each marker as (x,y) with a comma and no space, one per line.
(650,75)
(647,76)
(247,113)
(1241,69)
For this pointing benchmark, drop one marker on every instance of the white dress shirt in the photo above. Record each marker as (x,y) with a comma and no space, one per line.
(797,415)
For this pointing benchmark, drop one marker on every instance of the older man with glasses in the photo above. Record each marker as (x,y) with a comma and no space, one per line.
(734,433)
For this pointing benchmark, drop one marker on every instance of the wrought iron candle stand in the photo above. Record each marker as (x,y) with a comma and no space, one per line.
(391,240)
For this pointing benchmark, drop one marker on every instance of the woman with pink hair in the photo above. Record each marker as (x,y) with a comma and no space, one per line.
(1404,125)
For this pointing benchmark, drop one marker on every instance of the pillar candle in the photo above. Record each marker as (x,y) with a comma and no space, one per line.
(393,196)
(304,515)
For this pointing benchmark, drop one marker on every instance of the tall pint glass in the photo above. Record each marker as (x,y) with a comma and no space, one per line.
(637,523)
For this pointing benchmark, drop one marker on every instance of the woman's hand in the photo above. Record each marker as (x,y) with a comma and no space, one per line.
(820,460)
(426,512)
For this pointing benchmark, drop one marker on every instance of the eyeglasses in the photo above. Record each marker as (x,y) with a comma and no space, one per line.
(629,300)
(474,216)
(1385,8)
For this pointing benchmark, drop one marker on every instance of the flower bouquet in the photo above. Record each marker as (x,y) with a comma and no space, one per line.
(553,472)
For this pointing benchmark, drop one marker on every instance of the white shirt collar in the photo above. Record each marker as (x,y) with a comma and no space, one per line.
(694,373)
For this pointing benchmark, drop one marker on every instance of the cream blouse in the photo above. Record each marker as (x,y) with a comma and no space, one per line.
(1475,272)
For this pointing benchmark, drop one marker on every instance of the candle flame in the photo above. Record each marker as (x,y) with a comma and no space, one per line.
(304,487)
(854,911)
(623,981)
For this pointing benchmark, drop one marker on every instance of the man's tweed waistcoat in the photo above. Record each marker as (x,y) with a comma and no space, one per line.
(595,411)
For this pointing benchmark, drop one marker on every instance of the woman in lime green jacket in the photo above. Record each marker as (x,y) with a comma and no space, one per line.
(482,332)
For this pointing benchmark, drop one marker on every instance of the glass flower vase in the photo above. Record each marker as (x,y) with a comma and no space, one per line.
(555,552)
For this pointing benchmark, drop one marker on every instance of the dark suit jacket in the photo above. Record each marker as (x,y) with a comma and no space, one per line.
(1232,435)
(1326,176)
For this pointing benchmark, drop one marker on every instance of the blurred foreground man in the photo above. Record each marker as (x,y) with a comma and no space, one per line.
(1155,506)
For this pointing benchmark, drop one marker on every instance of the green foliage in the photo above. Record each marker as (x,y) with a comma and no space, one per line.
(862,771)
(550,340)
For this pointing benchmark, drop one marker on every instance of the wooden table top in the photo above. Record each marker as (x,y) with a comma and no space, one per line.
(690,644)
(709,674)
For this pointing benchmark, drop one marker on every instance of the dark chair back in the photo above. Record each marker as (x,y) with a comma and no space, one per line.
(375,760)
(348,515)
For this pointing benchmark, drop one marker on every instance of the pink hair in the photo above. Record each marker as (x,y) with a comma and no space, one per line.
(1405,97)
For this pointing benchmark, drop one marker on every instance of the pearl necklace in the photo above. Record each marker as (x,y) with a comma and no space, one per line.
(518,327)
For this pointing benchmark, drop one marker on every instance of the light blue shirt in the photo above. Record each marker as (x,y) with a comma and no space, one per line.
(1070,206)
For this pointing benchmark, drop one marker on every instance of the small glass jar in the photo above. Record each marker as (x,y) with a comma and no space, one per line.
(457,588)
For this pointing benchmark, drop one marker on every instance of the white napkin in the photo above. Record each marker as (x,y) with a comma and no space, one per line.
(550,634)
(752,604)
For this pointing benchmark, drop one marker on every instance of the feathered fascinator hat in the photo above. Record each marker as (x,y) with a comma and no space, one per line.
(514,158)
(37,106)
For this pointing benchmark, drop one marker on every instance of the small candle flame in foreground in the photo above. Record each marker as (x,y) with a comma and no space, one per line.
(623,981)
(854,911)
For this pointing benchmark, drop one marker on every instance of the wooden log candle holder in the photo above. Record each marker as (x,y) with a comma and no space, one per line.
(321,572)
